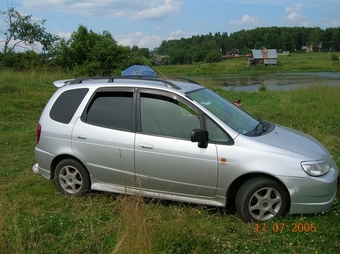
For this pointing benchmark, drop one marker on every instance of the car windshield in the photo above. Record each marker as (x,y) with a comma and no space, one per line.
(229,113)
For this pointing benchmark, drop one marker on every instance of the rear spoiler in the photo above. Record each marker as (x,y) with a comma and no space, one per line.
(63,82)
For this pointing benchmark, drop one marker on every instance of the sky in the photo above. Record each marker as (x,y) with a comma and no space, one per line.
(146,23)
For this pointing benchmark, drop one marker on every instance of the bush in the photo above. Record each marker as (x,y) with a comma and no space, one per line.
(9,60)
(213,57)
(334,57)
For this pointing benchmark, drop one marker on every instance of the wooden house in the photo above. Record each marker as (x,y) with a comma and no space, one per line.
(263,56)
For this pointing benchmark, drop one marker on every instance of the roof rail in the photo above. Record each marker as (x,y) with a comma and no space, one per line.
(166,80)
(181,79)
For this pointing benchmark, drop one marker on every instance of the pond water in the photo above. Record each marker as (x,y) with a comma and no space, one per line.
(274,81)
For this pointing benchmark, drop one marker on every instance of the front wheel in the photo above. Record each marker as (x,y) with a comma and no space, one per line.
(72,178)
(260,199)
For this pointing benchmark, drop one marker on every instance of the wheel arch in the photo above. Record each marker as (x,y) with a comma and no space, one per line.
(61,157)
(237,183)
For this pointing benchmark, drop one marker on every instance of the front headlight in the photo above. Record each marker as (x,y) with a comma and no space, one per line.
(315,168)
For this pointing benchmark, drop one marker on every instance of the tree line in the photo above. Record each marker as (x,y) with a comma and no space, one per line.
(210,48)
(90,53)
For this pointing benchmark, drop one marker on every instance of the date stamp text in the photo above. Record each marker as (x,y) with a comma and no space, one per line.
(281,227)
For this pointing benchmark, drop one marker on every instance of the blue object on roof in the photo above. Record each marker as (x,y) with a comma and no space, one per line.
(139,70)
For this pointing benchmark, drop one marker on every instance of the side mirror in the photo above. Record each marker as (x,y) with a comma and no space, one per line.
(200,136)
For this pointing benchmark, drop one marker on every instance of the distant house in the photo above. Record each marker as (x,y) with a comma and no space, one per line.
(160,60)
(231,54)
(308,48)
(234,53)
(263,56)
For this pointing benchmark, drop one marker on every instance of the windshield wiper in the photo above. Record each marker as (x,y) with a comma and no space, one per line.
(260,128)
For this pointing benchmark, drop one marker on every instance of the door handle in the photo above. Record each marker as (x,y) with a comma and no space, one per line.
(80,136)
(146,146)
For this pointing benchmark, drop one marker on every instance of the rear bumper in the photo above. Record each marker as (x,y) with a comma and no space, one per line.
(38,170)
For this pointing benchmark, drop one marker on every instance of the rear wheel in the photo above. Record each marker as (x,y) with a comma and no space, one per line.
(260,199)
(71,178)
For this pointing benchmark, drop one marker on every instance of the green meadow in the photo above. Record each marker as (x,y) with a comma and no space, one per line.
(295,62)
(36,218)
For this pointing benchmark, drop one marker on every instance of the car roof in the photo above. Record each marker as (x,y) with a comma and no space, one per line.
(176,83)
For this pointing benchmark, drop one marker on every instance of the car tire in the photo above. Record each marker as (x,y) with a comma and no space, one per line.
(260,199)
(72,178)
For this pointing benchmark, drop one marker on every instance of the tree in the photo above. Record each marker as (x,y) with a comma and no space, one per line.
(90,53)
(336,39)
(177,56)
(287,40)
(272,41)
(144,52)
(23,31)
(316,38)
(258,45)
(107,58)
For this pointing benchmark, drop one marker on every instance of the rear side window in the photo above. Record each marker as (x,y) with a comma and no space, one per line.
(111,110)
(67,104)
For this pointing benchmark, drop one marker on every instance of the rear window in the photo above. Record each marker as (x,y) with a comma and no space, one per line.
(66,105)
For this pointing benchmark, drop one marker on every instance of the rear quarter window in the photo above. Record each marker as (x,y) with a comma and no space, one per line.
(66,105)
(111,110)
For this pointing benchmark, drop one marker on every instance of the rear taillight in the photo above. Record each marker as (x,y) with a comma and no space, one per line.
(38,132)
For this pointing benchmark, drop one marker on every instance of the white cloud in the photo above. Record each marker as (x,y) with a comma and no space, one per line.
(294,16)
(334,23)
(177,34)
(139,39)
(64,35)
(133,9)
(297,7)
(129,39)
(150,41)
(158,10)
(247,20)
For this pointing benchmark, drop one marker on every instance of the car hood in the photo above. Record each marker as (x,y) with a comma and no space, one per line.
(295,141)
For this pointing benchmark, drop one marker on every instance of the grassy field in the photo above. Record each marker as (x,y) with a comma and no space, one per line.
(36,218)
(296,62)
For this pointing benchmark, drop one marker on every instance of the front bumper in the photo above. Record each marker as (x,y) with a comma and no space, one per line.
(312,194)
(313,207)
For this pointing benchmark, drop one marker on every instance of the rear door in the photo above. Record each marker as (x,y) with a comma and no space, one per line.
(104,136)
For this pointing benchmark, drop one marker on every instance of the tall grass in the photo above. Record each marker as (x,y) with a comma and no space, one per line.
(137,225)
(36,218)
(2,240)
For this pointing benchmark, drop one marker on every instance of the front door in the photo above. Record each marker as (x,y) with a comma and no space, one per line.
(165,158)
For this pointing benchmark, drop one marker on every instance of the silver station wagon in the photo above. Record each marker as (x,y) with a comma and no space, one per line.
(175,139)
